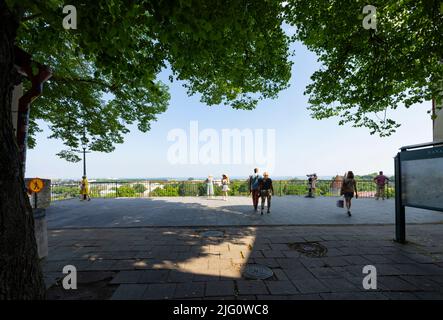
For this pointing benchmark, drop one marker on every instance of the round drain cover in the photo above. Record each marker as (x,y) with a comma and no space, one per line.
(310,249)
(257,272)
(212,234)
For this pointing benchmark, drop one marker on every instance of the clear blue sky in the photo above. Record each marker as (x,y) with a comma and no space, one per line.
(303,145)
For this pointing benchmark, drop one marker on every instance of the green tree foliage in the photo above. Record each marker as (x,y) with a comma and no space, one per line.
(126,191)
(365,73)
(229,52)
(169,190)
(139,188)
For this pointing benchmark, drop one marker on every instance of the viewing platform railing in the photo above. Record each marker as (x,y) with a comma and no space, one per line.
(150,188)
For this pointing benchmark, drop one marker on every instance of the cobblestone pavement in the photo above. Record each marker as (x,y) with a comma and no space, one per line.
(179,263)
(198,211)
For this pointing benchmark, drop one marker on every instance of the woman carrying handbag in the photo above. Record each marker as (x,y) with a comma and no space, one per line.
(348,188)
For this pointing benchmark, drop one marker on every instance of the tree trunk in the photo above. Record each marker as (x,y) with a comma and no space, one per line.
(20,273)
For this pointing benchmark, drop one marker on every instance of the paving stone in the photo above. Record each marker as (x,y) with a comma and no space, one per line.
(101,265)
(247,298)
(398,295)
(281,287)
(159,291)
(339,285)
(313,262)
(335,261)
(126,277)
(357,260)
(310,285)
(289,263)
(334,252)
(152,276)
(280,274)
(189,290)
(180,277)
(353,296)
(273,254)
(422,283)
(324,273)
(85,277)
(219,288)
(418,269)
(378,258)
(269,262)
(129,292)
(298,273)
(207,277)
(429,295)
(394,283)
(304,297)
(251,287)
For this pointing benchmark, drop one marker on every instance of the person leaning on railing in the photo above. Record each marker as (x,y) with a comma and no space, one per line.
(381,181)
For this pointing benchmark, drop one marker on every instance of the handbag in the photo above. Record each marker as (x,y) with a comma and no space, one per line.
(340,203)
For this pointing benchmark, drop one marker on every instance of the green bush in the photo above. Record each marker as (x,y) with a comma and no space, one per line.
(126,191)
(139,188)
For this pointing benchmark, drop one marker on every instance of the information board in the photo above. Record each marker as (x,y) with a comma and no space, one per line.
(422,178)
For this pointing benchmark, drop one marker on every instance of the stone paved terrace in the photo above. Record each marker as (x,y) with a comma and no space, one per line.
(178,263)
(153,249)
(198,211)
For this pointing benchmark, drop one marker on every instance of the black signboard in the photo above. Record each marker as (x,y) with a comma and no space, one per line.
(418,181)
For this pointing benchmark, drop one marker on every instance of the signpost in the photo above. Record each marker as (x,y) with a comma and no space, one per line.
(418,182)
(35,186)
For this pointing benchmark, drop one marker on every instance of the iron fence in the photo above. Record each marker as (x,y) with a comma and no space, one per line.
(146,189)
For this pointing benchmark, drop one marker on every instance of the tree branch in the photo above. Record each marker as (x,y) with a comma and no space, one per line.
(87,80)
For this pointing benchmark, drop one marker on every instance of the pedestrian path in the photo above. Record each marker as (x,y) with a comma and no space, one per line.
(237,211)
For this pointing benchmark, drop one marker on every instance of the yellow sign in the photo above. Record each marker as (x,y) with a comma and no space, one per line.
(35,185)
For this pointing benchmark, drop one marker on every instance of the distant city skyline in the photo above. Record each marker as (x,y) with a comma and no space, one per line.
(302,145)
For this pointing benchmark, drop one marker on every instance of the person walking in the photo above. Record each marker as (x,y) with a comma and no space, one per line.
(254,185)
(348,188)
(84,189)
(380,181)
(210,187)
(225,186)
(266,190)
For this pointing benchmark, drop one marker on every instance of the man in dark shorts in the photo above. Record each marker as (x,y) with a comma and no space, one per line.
(266,191)
(254,185)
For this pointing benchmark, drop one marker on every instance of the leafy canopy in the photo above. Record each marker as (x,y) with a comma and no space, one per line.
(364,73)
(230,52)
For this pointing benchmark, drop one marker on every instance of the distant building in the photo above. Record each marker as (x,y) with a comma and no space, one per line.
(336,184)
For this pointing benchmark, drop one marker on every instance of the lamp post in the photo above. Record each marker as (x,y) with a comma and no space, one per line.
(84,147)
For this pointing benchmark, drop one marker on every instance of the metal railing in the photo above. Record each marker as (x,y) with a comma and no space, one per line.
(146,189)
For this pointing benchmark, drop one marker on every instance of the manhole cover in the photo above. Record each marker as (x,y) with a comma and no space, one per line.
(212,234)
(310,249)
(257,272)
